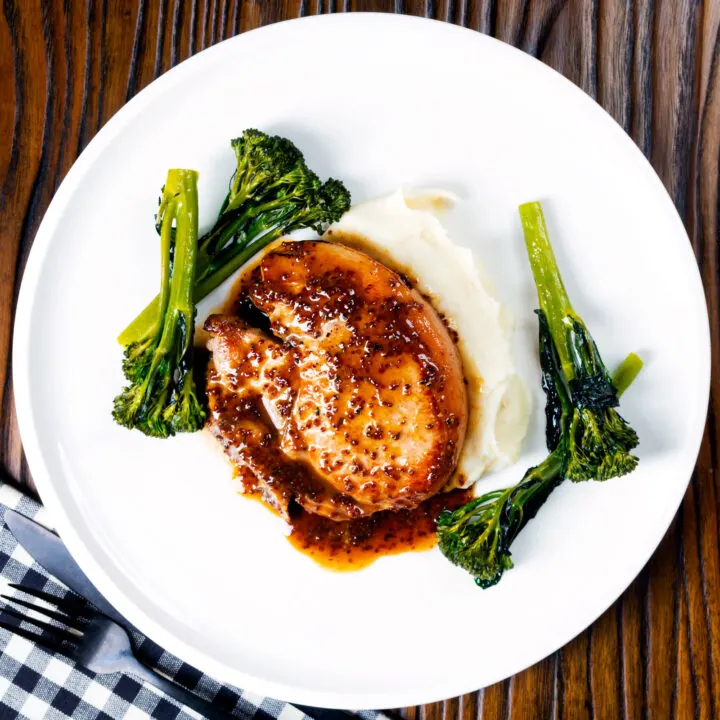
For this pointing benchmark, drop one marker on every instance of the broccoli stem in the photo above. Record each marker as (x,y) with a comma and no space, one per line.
(152,314)
(208,283)
(178,230)
(185,256)
(580,359)
(160,399)
(226,227)
(140,326)
(150,317)
(530,494)
(552,296)
(626,373)
(166,242)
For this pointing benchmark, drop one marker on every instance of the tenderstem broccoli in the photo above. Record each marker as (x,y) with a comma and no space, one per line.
(272,193)
(585,435)
(161,398)
(599,439)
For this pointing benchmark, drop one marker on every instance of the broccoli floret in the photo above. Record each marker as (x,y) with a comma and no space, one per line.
(161,397)
(600,445)
(334,199)
(272,193)
(478,535)
(472,538)
(264,162)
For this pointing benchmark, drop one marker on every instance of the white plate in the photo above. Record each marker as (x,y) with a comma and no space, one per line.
(379,101)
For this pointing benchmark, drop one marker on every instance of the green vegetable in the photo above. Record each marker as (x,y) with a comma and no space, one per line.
(478,535)
(585,435)
(599,439)
(626,373)
(272,193)
(161,398)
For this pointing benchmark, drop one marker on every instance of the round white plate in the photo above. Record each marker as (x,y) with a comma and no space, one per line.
(379,101)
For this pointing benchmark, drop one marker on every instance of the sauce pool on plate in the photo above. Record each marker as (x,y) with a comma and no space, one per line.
(355,544)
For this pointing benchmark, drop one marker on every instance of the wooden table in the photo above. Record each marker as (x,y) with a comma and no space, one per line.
(67,66)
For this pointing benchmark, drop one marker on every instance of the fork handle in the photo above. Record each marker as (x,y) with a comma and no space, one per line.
(206,710)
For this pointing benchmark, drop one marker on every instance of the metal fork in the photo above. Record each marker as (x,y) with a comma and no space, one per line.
(92,640)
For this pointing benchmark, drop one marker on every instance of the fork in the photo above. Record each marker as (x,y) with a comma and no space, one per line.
(92,640)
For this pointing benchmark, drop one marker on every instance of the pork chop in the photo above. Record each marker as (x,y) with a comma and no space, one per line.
(354,402)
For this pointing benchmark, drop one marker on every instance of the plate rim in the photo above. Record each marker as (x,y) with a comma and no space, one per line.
(35,457)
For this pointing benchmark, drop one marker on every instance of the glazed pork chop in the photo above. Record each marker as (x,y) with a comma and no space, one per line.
(353,402)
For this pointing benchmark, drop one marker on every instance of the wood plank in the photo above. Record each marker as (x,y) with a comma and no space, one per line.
(24,191)
(495,701)
(632,651)
(532,692)
(605,670)
(573,680)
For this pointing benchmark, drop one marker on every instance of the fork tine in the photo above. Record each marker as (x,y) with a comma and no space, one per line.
(60,632)
(44,641)
(69,604)
(60,617)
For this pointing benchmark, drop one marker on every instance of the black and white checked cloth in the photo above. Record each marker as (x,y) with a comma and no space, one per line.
(37,685)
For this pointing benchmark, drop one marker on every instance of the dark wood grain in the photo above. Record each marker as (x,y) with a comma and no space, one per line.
(67,67)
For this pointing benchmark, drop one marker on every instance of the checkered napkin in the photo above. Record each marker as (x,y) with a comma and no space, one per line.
(38,685)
